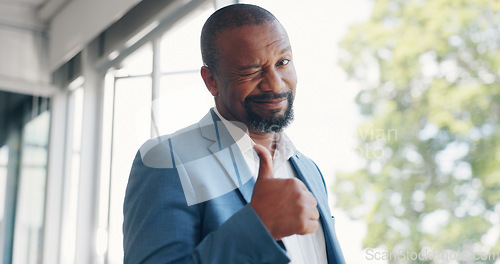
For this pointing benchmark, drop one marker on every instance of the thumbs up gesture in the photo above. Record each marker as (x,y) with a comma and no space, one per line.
(285,206)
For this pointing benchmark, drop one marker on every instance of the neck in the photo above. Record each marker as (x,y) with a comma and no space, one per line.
(267,140)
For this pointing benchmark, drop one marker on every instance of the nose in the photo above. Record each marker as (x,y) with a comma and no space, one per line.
(272,81)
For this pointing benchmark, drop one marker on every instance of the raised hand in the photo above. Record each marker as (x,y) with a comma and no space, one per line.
(285,206)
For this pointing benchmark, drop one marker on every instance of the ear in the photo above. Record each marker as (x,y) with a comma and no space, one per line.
(209,78)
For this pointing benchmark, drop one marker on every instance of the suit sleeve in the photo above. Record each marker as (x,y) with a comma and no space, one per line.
(159,226)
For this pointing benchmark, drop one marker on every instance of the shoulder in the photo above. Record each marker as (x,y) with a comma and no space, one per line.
(160,151)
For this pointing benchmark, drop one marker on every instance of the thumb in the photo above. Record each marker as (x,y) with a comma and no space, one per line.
(266,163)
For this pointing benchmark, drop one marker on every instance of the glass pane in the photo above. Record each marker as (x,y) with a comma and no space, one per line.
(4,158)
(31,193)
(180,46)
(140,62)
(183,100)
(131,128)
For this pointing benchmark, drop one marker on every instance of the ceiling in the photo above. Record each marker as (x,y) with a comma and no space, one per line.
(29,14)
(33,3)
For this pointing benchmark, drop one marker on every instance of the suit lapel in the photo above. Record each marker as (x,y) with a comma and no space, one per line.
(248,182)
(314,188)
(302,171)
(228,154)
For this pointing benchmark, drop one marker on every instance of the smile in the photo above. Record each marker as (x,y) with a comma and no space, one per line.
(271,103)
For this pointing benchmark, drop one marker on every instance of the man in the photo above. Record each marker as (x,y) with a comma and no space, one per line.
(232,188)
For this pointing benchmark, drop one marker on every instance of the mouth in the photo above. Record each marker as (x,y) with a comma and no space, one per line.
(271,104)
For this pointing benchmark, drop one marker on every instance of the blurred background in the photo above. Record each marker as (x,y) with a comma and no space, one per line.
(398,102)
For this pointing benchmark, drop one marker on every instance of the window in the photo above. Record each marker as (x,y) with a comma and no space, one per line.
(31,191)
(142,102)
(4,160)
(184,98)
(127,124)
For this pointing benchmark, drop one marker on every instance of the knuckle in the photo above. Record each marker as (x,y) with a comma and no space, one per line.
(316,214)
(313,199)
(290,182)
(302,228)
(301,210)
(297,195)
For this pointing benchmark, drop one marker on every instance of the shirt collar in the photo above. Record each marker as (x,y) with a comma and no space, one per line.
(284,146)
(239,135)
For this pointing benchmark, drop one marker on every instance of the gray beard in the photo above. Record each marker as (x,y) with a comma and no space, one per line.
(268,125)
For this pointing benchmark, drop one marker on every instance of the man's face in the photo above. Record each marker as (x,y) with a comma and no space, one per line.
(255,77)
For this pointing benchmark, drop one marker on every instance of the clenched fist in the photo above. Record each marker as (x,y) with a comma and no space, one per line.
(285,206)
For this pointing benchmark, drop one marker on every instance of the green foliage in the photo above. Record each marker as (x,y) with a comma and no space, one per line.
(430,71)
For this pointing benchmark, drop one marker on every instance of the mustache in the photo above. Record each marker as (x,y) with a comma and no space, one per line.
(268,96)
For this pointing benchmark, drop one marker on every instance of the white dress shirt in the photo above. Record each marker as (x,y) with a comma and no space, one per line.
(301,249)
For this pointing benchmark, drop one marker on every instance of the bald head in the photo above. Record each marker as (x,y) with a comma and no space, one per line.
(229,17)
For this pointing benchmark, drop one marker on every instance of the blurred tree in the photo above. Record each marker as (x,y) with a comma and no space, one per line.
(430,77)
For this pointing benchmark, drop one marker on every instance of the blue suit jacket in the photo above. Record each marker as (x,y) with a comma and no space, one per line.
(187,201)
